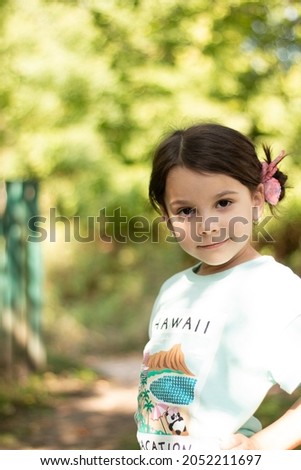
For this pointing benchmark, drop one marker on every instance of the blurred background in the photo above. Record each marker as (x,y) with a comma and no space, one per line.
(87,89)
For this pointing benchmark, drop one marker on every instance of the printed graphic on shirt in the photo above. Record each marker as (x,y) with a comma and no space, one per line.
(166,388)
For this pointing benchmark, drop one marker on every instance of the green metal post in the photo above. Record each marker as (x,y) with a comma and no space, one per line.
(23,292)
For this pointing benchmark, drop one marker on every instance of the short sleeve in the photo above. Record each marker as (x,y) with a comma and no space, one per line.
(286,357)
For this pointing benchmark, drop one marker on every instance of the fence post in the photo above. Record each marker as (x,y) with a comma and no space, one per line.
(23,273)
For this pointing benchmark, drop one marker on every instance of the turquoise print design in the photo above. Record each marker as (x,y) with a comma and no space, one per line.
(162,390)
(175,389)
(159,393)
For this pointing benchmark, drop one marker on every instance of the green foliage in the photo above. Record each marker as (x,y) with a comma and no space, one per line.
(87,88)
(15,395)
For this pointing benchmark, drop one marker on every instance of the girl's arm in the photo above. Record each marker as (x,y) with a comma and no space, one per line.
(285,433)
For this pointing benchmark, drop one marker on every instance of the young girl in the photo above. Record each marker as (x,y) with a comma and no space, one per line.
(223,332)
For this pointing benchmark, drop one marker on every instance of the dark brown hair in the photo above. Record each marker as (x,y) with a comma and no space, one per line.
(208,148)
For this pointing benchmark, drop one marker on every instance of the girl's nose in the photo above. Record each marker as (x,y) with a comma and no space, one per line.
(208,225)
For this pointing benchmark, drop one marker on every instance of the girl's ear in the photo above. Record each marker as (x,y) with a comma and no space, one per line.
(258,202)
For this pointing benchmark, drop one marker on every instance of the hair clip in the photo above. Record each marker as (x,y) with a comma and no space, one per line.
(272,187)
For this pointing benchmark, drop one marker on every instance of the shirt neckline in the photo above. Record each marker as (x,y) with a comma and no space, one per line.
(192,272)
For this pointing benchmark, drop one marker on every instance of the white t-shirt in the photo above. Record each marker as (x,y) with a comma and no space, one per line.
(217,345)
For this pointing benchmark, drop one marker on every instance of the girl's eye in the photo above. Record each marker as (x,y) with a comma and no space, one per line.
(186,211)
(224,203)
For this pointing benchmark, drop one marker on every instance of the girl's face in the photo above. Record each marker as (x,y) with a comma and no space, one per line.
(211,216)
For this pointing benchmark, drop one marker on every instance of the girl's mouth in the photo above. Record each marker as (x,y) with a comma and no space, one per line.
(212,246)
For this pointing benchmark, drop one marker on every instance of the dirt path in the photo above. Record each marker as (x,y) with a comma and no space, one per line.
(100,417)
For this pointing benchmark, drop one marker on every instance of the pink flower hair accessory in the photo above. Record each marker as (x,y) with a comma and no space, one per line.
(272,187)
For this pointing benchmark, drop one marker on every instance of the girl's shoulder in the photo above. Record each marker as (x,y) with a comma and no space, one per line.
(273,286)
(180,277)
(272,270)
